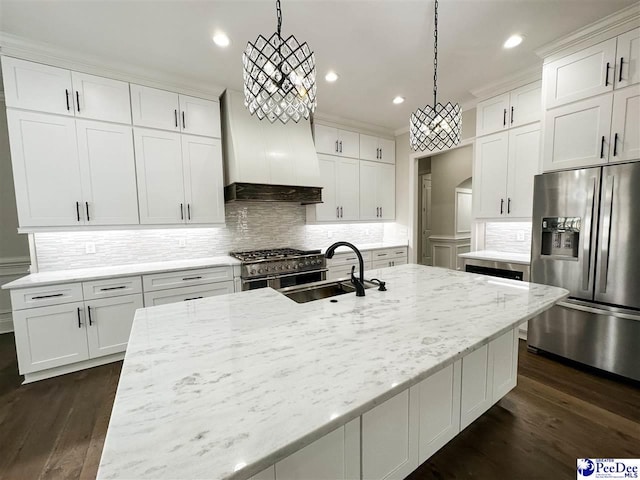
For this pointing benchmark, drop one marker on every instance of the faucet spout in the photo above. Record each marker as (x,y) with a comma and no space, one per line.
(358,283)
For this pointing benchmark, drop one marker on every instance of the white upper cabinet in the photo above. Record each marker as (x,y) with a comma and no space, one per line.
(491,115)
(154,108)
(580,75)
(328,209)
(199,116)
(377,149)
(377,191)
(101,98)
(625,125)
(159,174)
(489,176)
(340,180)
(46,169)
(523,165)
(577,135)
(108,172)
(34,86)
(525,104)
(334,141)
(628,56)
(202,171)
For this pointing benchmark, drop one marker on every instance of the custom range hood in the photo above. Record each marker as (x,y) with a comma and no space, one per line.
(267,162)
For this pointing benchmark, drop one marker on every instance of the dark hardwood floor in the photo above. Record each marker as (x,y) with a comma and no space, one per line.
(55,428)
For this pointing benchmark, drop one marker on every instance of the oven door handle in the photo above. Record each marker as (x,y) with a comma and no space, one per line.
(292,274)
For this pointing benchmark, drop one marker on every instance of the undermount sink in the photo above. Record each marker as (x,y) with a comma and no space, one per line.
(319,290)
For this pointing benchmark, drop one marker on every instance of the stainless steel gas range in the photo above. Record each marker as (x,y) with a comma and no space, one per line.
(280,267)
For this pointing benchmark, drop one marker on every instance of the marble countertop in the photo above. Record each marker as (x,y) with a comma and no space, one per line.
(95,273)
(494,256)
(226,386)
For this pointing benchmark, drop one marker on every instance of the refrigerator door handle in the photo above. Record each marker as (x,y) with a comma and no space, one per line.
(597,311)
(606,234)
(586,244)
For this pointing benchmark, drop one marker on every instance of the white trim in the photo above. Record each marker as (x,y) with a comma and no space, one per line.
(462,191)
(74,367)
(450,238)
(347,124)
(27,49)
(90,228)
(608,27)
(14,266)
(511,82)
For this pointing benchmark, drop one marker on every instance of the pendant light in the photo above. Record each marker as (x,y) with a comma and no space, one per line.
(279,77)
(438,126)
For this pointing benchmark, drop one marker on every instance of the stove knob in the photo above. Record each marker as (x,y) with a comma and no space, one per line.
(288,267)
(260,270)
(295,266)
(266,269)
(306,263)
(252,272)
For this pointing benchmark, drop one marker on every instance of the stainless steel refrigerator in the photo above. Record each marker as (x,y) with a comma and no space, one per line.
(586,238)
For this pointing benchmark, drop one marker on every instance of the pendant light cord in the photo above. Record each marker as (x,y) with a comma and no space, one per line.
(435,54)
(279,14)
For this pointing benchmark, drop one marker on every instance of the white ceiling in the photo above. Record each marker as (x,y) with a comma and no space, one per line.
(380,48)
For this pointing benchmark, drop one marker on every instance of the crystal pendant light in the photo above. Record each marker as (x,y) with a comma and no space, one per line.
(438,126)
(279,77)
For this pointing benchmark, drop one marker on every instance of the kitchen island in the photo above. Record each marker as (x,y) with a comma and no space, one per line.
(253,383)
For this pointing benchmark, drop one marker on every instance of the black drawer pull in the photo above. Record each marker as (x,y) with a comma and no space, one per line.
(47,296)
(382,254)
(78,101)
(606,80)
(175,116)
(615,145)
(620,76)
(191,278)
(89,310)
(511,115)
(67,94)
(193,298)
(106,289)
(79,321)
(602,148)
(184,125)
(504,118)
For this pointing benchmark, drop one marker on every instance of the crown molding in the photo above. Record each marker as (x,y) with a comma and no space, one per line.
(337,122)
(611,25)
(511,82)
(27,49)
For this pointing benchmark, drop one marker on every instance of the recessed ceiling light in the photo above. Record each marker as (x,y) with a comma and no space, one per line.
(398,100)
(513,41)
(221,39)
(331,77)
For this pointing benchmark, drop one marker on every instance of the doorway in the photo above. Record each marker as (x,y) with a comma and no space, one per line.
(425,219)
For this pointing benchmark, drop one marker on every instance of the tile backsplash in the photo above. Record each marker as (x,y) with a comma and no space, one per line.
(248,226)
(503,237)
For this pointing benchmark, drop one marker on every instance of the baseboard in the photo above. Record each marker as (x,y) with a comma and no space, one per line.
(522,334)
(74,367)
(6,322)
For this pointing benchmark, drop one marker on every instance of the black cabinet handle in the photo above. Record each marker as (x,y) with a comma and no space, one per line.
(501,206)
(620,74)
(188,211)
(511,115)
(606,79)
(192,298)
(192,278)
(181,212)
(602,148)
(381,154)
(89,310)
(47,296)
(86,204)
(78,101)
(615,145)
(66,92)
(78,210)
(341,207)
(175,116)
(79,321)
(508,205)
(105,289)
(504,117)
(336,146)
(337,212)
(340,146)
(380,211)
(184,124)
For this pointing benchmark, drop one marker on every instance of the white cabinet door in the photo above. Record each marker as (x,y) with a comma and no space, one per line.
(328,209)
(625,124)
(628,55)
(46,170)
(336,456)
(159,174)
(349,144)
(101,98)
(523,165)
(387,150)
(386,191)
(203,181)
(348,187)
(504,354)
(577,135)
(49,337)
(108,171)
(326,139)
(439,409)
(477,385)
(581,75)
(491,115)
(390,438)
(199,116)
(34,86)
(154,108)
(490,170)
(369,148)
(526,104)
(369,206)
(109,323)
(185,294)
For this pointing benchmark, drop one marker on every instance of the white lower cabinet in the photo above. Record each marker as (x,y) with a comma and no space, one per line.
(504,354)
(477,381)
(175,295)
(109,323)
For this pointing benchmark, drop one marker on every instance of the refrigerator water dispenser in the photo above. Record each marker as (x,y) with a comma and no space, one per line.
(560,237)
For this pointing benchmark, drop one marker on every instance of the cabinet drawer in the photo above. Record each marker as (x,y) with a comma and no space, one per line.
(184,294)
(112,287)
(44,296)
(184,278)
(344,271)
(348,258)
(389,253)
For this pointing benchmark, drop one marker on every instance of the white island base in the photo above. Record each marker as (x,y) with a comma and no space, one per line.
(391,440)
